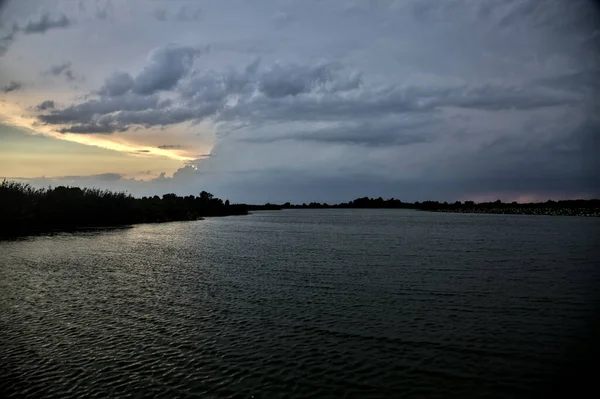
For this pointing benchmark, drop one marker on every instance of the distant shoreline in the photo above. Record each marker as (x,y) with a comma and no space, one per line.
(586,208)
(583,212)
(25,210)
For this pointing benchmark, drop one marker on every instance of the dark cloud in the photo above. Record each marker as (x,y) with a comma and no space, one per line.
(92,128)
(160,14)
(117,84)
(376,102)
(109,115)
(59,69)
(160,116)
(5,42)
(169,146)
(561,16)
(292,79)
(126,101)
(165,67)
(87,112)
(45,105)
(143,151)
(588,80)
(203,96)
(494,97)
(187,14)
(282,93)
(184,14)
(582,143)
(36,25)
(45,22)
(365,103)
(69,75)
(12,86)
(566,159)
(104,12)
(515,14)
(63,69)
(371,134)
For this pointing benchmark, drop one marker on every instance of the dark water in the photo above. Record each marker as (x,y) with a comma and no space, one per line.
(329,303)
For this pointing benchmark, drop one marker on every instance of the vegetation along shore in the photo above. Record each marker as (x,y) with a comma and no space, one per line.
(26,210)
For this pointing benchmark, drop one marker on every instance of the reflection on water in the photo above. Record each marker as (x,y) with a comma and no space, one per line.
(355,303)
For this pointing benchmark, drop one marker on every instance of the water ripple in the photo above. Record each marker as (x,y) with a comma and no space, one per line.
(298,304)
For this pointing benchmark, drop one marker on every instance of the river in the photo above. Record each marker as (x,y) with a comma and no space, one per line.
(300,303)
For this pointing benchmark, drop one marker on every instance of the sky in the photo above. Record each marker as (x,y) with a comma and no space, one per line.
(312,100)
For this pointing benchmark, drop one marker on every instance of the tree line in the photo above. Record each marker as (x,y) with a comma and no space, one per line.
(25,209)
(392,203)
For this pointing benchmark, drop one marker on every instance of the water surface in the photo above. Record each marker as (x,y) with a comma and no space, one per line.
(300,303)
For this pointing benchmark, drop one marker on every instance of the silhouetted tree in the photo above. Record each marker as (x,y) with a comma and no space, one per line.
(24,209)
(204,196)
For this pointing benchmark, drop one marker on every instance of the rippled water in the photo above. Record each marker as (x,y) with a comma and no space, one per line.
(299,303)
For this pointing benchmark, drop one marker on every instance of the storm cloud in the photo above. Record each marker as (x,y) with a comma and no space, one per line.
(166,65)
(280,93)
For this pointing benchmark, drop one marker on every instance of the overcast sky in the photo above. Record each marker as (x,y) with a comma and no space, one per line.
(304,100)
